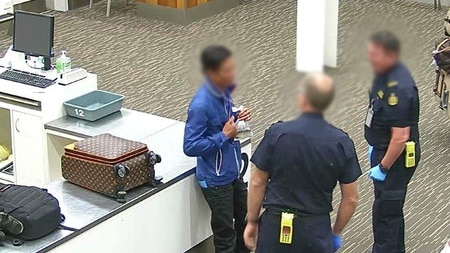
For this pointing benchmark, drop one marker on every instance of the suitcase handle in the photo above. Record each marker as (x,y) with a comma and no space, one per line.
(245,161)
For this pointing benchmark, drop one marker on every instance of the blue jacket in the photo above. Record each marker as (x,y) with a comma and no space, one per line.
(218,158)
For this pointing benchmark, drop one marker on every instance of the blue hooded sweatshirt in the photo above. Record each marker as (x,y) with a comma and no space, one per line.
(218,158)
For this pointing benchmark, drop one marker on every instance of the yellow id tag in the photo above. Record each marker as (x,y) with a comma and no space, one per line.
(287,228)
(410,157)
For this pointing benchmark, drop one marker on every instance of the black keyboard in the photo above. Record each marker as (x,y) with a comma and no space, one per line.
(27,78)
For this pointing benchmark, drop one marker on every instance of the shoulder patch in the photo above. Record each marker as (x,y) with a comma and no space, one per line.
(380,94)
(392,84)
(342,131)
(280,121)
(393,99)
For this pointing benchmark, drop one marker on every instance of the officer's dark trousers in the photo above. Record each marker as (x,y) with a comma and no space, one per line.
(229,208)
(387,211)
(311,234)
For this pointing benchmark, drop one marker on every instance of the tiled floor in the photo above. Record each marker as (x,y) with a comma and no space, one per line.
(155,65)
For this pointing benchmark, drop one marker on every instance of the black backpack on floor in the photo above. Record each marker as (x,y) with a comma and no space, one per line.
(34,209)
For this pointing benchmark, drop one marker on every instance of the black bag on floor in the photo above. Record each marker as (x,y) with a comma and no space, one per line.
(28,212)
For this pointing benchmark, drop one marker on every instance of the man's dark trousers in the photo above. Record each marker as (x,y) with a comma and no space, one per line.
(387,211)
(229,209)
(311,234)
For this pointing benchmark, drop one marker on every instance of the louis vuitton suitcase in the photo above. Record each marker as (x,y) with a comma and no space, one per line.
(109,165)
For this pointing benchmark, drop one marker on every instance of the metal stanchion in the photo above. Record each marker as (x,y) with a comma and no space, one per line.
(437,4)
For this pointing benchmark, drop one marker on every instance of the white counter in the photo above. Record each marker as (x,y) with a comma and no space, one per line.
(171,218)
(26,109)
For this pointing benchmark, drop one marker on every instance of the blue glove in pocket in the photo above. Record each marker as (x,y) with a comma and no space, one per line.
(377,174)
(337,243)
(203,184)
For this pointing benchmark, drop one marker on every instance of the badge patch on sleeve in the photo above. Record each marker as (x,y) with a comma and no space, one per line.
(393,99)
(380,94)
(392,84)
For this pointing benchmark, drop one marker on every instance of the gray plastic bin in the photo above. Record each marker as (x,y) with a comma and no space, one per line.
(94,105)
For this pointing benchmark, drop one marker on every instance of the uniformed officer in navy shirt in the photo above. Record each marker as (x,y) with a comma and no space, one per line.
(391,129)
(297,165)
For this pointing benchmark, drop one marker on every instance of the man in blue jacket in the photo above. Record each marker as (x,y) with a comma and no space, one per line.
(209,136)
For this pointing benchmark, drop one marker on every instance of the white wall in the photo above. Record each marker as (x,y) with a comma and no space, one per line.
(60,5)
(310,35)
(317,28)
(50,4)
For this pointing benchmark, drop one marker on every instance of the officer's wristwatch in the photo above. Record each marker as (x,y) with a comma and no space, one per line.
(383,169)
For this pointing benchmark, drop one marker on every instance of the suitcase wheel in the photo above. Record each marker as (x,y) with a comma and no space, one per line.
(17,242)
(152,158)
(155,181)
(122,171)
(121,196)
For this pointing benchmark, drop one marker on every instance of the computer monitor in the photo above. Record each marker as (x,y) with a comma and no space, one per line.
(33,34)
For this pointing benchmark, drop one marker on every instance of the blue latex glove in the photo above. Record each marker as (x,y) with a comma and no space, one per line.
(337,242)
(377,174)
(203,184)
(369,153)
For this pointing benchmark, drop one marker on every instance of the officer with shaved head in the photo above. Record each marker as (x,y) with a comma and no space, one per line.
(297,165)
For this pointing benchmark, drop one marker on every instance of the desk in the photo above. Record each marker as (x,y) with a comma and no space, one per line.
(182,11)
(176,208)
(127,124)
(23,112)
(170,218)
(94,213)
(108,226)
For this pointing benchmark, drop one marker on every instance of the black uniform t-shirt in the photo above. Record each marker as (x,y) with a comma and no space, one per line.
(305,158)
(393,102)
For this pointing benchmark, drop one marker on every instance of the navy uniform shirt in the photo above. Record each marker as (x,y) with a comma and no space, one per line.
(393,102)
(305,158)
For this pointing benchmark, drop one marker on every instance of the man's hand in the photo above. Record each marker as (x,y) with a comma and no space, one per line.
(337,242)
(251,235)
(230,129)
(377,173)
(256,192)
(245,115)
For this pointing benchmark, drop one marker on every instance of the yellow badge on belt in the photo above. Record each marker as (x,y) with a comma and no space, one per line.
(410,156)
(393,99)
(380,94)
(287,228)
(392,84)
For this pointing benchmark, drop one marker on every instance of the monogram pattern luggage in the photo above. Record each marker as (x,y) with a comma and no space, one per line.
(109,165)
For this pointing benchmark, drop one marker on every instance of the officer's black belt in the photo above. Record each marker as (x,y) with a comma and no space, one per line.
(277,210)
(381,147)
(384,147)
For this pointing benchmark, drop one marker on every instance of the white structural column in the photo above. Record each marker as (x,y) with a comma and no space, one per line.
(58,5)
(317,29)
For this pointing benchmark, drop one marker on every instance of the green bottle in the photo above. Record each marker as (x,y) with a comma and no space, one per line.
(63,63)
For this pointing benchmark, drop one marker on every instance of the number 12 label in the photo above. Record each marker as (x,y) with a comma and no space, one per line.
(79,112)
